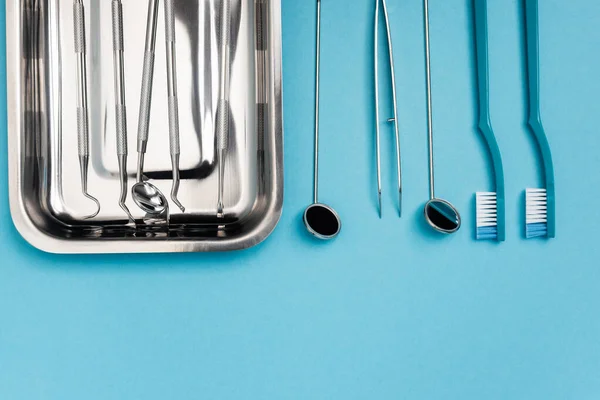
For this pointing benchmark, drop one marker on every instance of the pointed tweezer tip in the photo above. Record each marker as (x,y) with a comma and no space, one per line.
(400,203)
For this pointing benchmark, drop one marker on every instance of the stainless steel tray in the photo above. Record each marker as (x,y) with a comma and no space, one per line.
(45,193)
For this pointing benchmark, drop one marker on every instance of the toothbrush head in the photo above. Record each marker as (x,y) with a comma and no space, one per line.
(536,213)
(486,215)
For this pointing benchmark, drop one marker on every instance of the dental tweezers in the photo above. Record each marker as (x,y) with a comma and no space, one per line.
(395,117)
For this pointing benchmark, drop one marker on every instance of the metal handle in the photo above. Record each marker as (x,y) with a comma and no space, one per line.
(145,102)
(429,102)
(222,124)
(223,104)
(317,82)
(82,100)
(172,78)
(120,109)
(147,77)
(79,25)
(262,40)
(83,139)
(117,25)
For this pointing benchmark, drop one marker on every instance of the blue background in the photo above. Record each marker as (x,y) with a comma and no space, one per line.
(389,310)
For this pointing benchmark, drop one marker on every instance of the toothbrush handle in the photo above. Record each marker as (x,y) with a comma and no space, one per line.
(485,124)
(481,40)
(172,78)
(82,106)
(120,110)
(533,62)
(535,119)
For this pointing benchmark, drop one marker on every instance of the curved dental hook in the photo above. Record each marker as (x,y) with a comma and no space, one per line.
(120,109)
(83,132)
(95,200)
(84,189)
(123,196)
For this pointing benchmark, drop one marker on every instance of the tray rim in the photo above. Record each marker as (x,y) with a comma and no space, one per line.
(54,245)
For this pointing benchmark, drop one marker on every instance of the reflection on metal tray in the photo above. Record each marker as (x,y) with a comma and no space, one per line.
(47,204)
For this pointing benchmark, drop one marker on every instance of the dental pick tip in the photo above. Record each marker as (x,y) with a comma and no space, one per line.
(176,201)
(176,181)
(95,200)
(400,203)
(380,206)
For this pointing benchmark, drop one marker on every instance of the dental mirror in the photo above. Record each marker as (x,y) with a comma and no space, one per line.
(442,216)
(149,198)
(439,214)
(320,220)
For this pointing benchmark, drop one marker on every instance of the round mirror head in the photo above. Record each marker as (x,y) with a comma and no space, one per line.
(149,198)
(322,221)
(442,216)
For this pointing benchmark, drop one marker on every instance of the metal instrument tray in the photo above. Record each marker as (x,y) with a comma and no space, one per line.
(46,201)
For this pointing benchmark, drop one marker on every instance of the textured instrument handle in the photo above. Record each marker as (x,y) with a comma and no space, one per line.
(83,140)
(146,97)
(120,111)
(83,145)
(261,25)
(225,21)
(172,78)
(261,125)
(147,77)
(222,125)
(117,25)
(169,21)
(223,104)
(79,25)
(121,126)
(174,126)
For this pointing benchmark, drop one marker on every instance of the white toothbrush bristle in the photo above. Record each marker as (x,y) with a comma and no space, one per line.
(487,216)
(536,213)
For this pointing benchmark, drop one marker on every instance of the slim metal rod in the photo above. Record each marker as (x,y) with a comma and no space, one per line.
(429,102)
(317,79)
(377,128)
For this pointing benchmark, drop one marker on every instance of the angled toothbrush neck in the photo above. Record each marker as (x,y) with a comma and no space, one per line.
(533,63)
(485,125)
(535,119)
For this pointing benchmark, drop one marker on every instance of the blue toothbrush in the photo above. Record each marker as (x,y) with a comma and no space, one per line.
(540,209)
(490,206)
